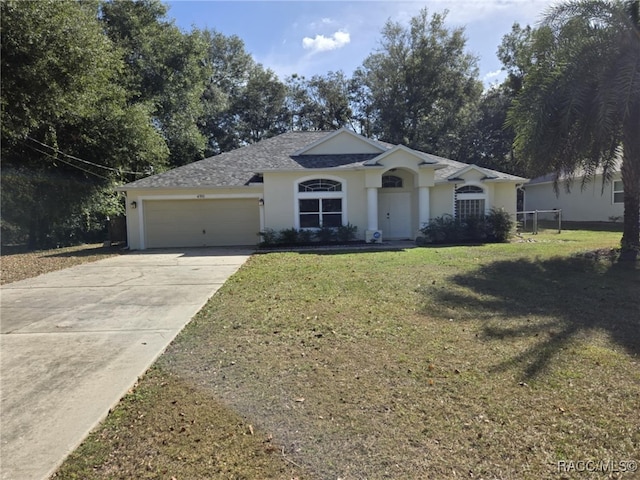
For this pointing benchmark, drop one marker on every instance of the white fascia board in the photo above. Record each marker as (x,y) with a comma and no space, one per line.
(468,168)
(401,148)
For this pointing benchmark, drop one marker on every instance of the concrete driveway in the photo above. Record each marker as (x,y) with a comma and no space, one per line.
(73,342)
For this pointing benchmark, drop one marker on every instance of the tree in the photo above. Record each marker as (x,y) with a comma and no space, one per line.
(68,132)
(361,101)
(320,103)
(487,142)
(261,106)
(229,65)
(420,84)
(166,70)
(579,109)
(299,103)
(515,54)
(243,101)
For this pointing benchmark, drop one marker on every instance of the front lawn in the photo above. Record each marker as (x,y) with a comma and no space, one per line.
(495,361)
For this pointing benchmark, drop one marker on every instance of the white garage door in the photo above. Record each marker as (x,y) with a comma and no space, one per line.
(198,223)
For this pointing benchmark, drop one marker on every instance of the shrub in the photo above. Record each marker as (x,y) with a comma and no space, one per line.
(305,236)
(326,234)
(288,236)
(474,229)
(499,225)
(346,233)
(444,229)
(292,236)
(269,237)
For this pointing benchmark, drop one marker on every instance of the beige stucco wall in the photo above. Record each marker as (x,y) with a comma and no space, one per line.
(504,195)
(441,200)
(280,194)
(473,175)
(591,204)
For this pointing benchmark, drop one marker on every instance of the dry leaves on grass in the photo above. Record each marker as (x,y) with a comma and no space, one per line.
(19,264)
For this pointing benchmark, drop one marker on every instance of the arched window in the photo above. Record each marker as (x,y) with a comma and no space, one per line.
(320,185)
(320,203)
(391,181)
(469,189)
(470,201)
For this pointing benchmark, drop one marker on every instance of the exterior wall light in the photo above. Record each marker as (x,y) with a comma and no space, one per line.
(134,204)
(261,202)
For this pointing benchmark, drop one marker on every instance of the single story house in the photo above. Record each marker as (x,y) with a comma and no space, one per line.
(308,180)
(593,203)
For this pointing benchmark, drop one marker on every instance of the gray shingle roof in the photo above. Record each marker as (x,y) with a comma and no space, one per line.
(241,166)
(578,175)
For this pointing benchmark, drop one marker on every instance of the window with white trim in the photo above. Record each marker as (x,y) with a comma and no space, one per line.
(470,189)
(470,201)
(618,192)
(469,208)
(320,203)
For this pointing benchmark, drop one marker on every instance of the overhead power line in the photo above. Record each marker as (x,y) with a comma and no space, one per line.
(67,163)
(84,161)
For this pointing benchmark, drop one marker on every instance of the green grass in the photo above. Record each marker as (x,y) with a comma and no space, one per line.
(494,361)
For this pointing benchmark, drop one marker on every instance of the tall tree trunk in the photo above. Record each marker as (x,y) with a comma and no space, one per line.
(631,183)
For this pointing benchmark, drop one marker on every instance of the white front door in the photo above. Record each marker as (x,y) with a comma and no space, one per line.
(394,215)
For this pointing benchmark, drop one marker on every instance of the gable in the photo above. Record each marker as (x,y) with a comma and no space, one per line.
(401,156)
(472,173)
(342,142)
(398,158)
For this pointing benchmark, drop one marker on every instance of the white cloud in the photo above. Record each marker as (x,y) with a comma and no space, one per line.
(491,75)
(491,79)
(324,44)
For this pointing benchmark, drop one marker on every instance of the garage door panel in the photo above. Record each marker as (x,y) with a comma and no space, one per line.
(196,223)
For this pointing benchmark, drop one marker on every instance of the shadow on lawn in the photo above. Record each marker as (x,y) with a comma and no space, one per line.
(63,252)
(512,298)
(87,252)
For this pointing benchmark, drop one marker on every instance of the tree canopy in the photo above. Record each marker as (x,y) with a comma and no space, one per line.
(421,84)
(68,131)
(579,109)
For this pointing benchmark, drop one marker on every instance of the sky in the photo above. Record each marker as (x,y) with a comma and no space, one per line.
(314,37)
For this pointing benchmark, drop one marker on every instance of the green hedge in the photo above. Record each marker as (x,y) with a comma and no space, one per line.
(497,226)
(322,236)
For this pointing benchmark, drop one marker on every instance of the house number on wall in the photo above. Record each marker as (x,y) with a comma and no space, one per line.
(200,195)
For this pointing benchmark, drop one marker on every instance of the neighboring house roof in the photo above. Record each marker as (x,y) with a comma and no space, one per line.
(244,165)
(579,173)
(548,178)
